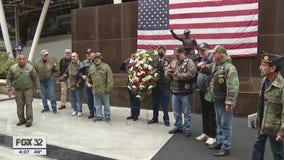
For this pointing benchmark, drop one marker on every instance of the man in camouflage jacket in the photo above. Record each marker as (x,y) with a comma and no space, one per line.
(222,90)
(270,112)
(73,75)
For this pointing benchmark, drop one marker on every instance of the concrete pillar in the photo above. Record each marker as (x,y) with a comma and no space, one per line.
(17,25)
(17,29)
(5,31)
(81,4)
(38,29)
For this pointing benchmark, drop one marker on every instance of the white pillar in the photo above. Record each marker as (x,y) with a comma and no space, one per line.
(38,29)
(5,31)
(81,5)
(117,1)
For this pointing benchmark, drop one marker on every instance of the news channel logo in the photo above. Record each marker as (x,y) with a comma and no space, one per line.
(29,145)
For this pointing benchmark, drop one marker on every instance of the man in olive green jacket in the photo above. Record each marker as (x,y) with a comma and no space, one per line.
(22,79)
(101,79)
(222,90)
(75,83)
(270,112)
(47,71)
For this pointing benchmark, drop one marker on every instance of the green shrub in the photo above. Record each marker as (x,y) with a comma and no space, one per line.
(5,64)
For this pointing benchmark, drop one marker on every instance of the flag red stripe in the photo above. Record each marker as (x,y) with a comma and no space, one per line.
(245,55)
(213,14)
(214,25)
(201,36)
(211,3)
(227,46)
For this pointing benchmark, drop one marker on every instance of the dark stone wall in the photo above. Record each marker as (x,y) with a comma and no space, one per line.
(112,30)
(109,29)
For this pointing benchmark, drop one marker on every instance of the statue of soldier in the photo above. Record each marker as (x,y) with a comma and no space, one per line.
(188,44)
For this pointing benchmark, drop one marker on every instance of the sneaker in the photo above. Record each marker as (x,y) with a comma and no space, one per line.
(90,116)
(97,119)
(107,120)
(187,133)
(62,107)
(21,123)
(202,137)
(74,113)
(175,130)
(54,110)
(210,141)
(28,124)
(222,152)
(45,110)
(79,114)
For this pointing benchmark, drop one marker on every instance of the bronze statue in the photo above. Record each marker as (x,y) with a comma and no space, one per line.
(188,44)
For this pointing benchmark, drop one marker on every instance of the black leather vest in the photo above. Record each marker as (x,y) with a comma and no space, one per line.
(220,88)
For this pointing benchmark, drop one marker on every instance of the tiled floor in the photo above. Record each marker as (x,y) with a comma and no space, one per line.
(119,139)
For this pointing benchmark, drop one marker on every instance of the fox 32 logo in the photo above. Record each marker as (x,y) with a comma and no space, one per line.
(32,145)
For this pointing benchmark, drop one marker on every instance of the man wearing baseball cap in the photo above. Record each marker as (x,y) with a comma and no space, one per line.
(88,90)
(207,108)
(100,78)
(270,115)
(222,90)
(47,71)
(180,71)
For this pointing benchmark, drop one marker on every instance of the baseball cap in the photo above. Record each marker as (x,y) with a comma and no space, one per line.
(89,50)
(98,54)
(180,50)
(273,59)
(203,46)
(44,52)
(219,49)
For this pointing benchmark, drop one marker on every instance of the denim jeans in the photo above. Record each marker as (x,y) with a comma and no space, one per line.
(44,86)
(182,102)
(100,100)
(163,97)
(89,98)
(76,99)
(224,124)
(259,147)
(134,104)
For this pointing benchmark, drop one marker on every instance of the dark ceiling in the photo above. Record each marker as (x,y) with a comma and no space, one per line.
(30,10)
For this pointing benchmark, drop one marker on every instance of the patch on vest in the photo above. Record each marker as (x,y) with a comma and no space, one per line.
(221,78)
(187,86)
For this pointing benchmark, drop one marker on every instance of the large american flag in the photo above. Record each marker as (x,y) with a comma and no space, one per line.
(231,23)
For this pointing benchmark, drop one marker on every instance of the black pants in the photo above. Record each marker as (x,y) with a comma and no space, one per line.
(208,116)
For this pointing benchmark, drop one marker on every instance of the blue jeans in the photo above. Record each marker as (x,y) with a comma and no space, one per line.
(100,100)
(76,99)
(259,147)
(134,104)
(89,98)
(224,125)
(182,102)
(44,86)
(163,97)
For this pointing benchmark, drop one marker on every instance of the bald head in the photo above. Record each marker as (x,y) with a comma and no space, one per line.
(21,59)
(74,57)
